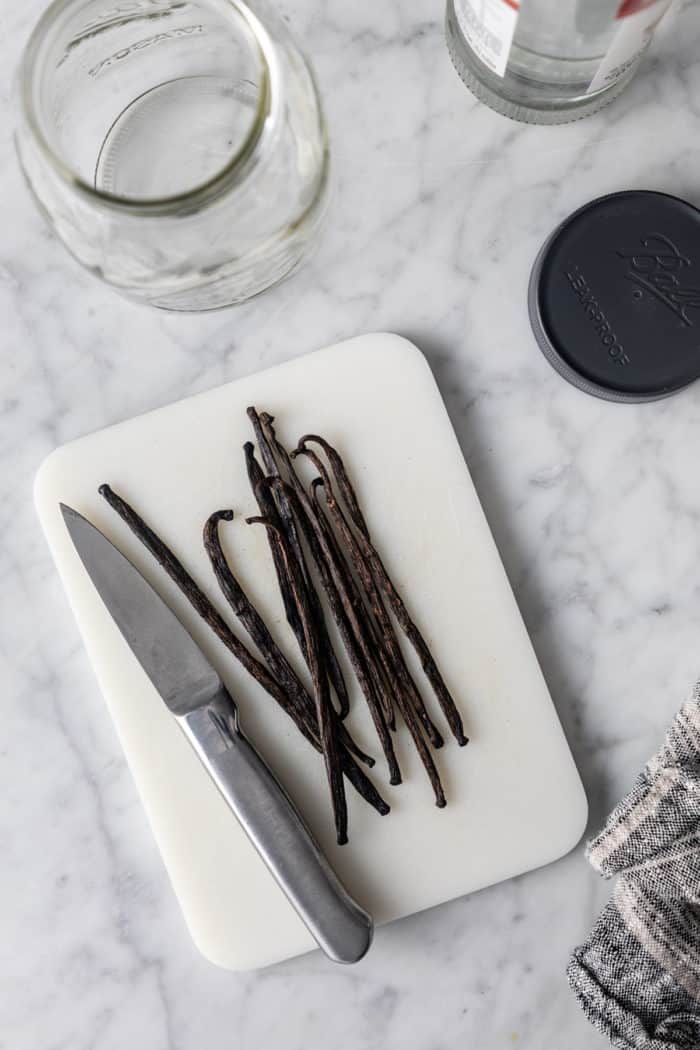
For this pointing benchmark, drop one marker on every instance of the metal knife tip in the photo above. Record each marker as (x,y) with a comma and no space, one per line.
(69,514)
(73,519)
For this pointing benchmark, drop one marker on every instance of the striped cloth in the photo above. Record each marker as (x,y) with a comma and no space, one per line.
(638,975)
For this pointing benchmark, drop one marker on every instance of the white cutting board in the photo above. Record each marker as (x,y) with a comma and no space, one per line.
(515,797)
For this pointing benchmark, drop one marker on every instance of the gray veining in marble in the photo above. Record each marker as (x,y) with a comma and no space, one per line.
(438,211)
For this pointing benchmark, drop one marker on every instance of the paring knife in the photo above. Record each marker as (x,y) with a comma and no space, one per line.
(204,710)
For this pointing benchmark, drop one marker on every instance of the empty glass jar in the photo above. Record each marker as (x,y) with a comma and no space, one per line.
(177,147)
(548,61)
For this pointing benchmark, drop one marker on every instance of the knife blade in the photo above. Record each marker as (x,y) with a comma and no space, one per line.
(198,700)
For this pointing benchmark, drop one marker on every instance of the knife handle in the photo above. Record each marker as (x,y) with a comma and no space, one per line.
(341,928)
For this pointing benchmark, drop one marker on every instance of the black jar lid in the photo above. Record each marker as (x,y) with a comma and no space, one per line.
(615,296)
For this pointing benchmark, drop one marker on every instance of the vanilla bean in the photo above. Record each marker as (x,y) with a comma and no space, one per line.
(355,647)
(341,607)
(381,672)
(405,707)
(342,479)
(248,615)
(360,625)
(359,651)
(398,607)
(408,712)
(387,636)
(177,572)
(259,633)
(280,515)
(267,507)
(324,712)
(414,728)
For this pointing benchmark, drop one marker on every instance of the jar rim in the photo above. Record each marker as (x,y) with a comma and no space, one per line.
(232,172)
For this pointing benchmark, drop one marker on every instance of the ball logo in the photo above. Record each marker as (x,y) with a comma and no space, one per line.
(658,270)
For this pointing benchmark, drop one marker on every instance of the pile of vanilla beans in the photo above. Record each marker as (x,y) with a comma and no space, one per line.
(320,533)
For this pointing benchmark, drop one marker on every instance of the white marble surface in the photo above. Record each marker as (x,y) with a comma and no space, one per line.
(440,206)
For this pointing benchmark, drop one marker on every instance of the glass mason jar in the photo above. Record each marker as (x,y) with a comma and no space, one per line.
(549,61)
(177,147)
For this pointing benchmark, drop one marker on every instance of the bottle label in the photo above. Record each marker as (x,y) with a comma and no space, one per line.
(637,21)
(488,27)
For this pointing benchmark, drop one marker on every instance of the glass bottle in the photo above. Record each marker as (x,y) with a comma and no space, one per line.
(177,147)
(549,61)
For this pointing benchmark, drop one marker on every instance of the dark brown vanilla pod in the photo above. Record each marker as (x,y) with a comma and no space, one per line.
(324,711)
(407,625)
(260,635)
(276,509)
(351,631)
(384,681)
(388,646)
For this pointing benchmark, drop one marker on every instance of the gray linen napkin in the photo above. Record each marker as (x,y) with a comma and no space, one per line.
(638,975)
